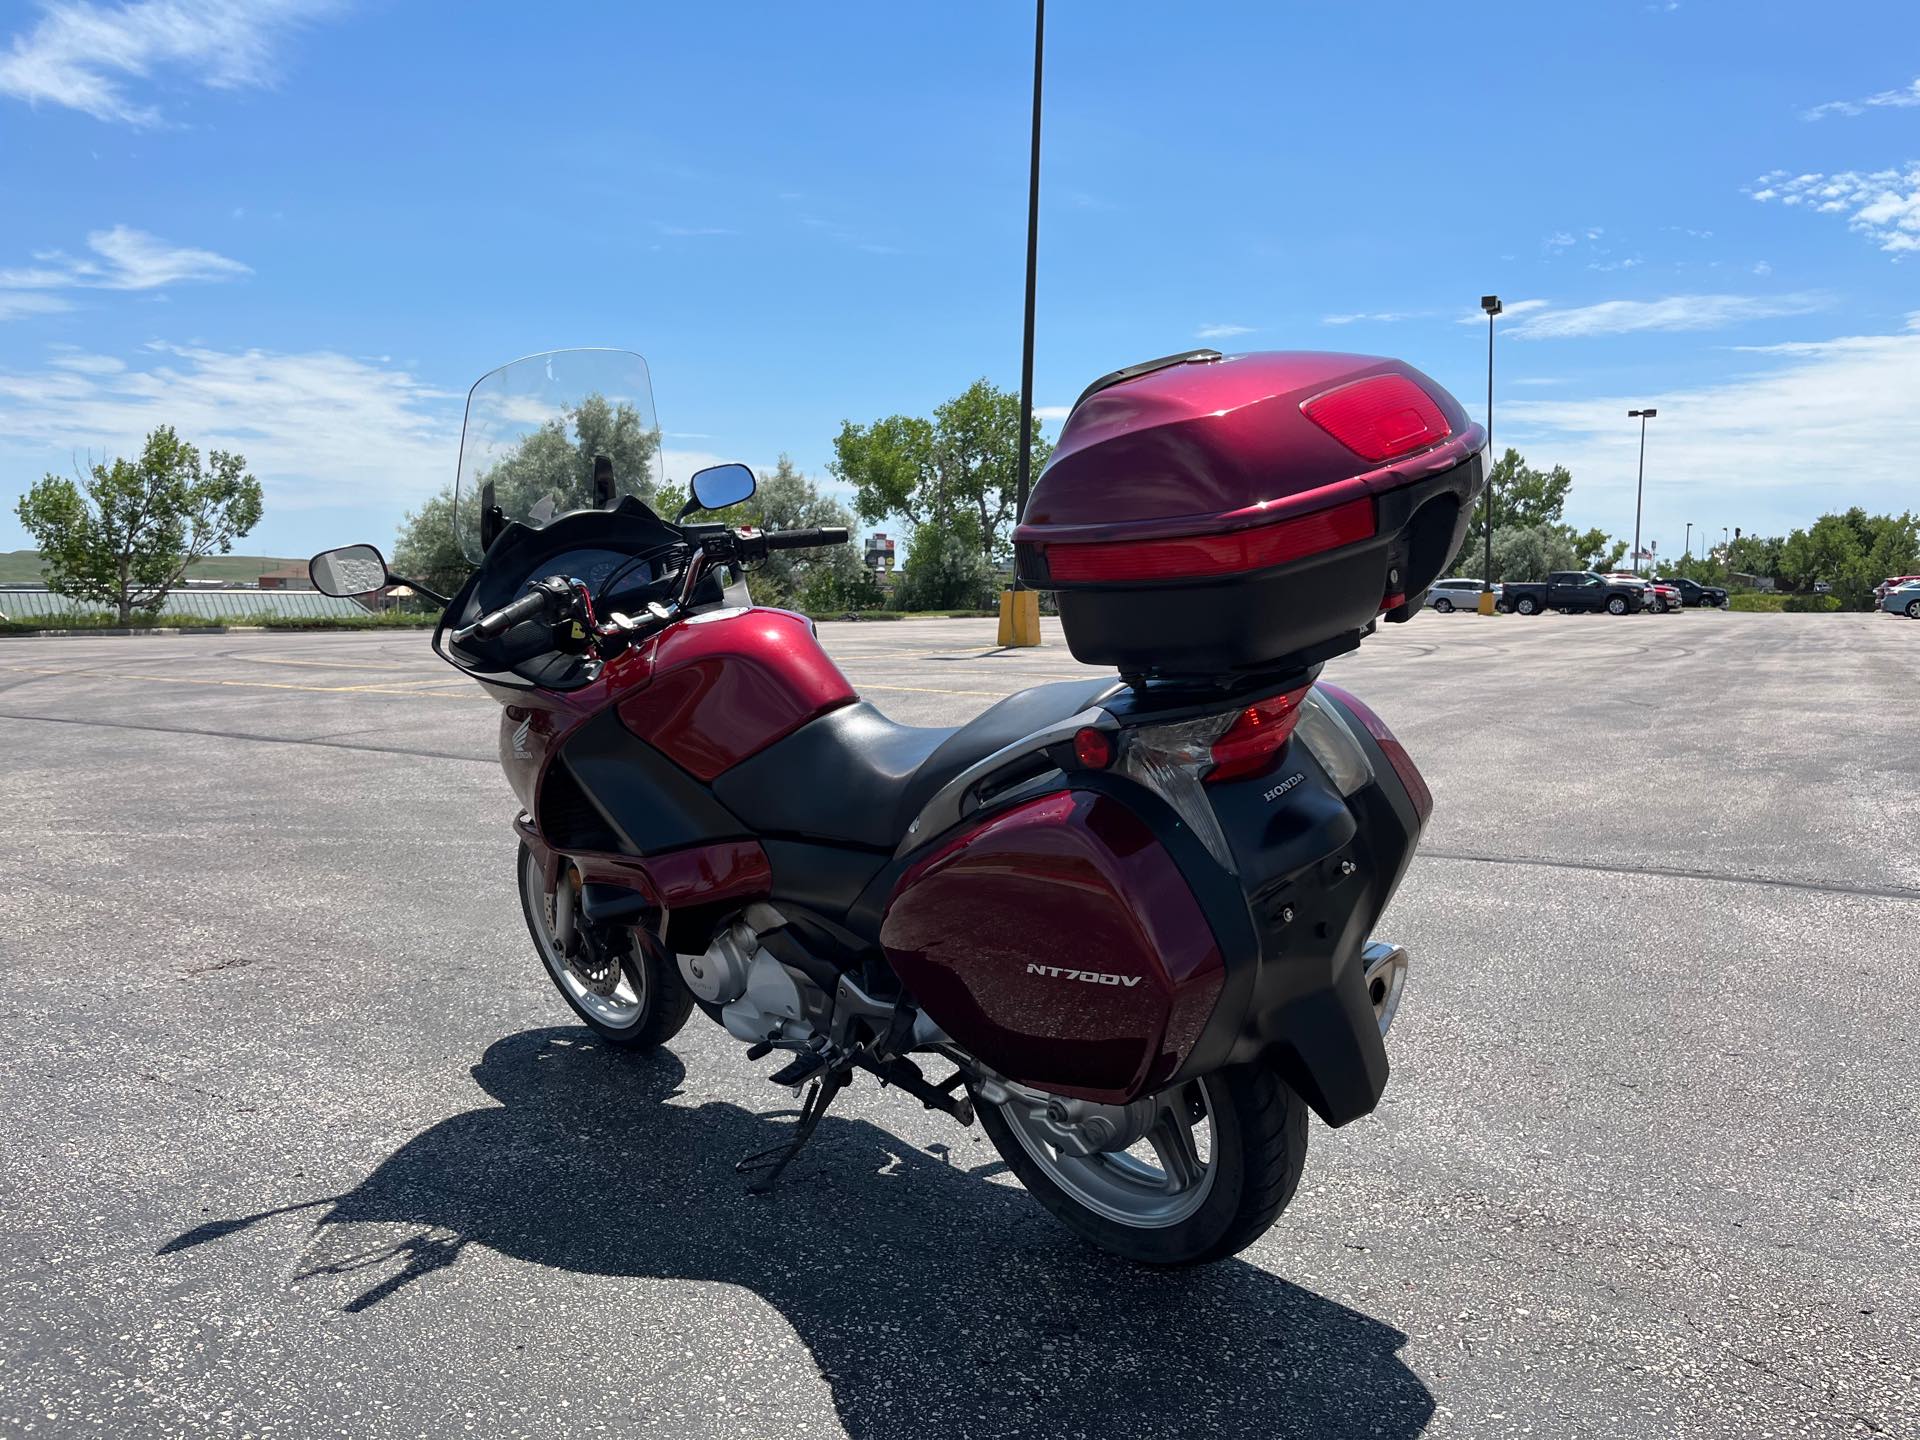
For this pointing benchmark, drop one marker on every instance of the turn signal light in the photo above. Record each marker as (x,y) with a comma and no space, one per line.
(1379,418)
(1257,734)
(1390,746)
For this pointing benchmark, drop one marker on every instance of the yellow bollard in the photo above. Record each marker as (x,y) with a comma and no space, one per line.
(1019,618)
(1486,602)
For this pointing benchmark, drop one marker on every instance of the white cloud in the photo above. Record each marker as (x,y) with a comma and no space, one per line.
(14,304)
(1883,205)
(1904,98)
(1827,424)
(123,259)
(1053,412)
(686,232)
(1675,312)
(86,56)
(136,260)
(1372,317)
(1508,309)
(319,429)
(1222,332)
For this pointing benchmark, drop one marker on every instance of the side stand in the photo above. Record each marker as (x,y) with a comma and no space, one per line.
(765,1166)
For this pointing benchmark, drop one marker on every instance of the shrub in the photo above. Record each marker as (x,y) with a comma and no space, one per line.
(1811,604)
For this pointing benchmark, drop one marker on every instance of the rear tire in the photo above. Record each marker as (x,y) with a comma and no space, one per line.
(651,1002)
(1527,605)
(1258,1149)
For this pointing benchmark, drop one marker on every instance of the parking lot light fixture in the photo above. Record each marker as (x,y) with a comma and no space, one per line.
(1639,485)
(1490,304)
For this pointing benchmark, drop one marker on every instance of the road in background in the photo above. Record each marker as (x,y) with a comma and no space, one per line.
(300,1142)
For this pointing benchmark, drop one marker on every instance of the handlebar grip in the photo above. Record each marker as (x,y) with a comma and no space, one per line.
(507,616)
(807,539)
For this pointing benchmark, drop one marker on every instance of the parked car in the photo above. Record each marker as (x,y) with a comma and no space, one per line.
(1462,592)
(1575,590)
(1892,582)
(1665,599)
(1903,600)
(1692,592)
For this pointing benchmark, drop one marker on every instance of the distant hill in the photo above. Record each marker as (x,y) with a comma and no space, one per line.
(22,567)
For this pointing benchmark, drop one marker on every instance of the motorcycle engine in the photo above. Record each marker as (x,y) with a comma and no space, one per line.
(759,998)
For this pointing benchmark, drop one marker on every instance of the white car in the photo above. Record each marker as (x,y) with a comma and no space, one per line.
(1459,593)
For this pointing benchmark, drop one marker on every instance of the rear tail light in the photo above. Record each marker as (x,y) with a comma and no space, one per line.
(1379,418)
(1232,553)
(1390,746)
(1256,736)
(1176,761)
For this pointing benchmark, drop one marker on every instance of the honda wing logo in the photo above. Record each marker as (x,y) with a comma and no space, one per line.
(519,739)
(1091,977)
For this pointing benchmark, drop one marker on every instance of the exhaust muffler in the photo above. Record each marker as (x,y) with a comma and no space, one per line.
(1386,977)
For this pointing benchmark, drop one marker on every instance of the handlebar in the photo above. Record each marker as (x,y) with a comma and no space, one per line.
(807,539)
(551,596)
(531,605)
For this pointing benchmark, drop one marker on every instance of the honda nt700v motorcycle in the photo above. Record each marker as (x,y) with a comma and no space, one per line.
(1123,921)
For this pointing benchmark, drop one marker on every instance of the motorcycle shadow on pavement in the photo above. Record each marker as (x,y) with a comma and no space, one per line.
(933,1301)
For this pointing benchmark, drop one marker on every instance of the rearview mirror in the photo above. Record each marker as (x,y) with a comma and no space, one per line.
(719,486)
(350,570)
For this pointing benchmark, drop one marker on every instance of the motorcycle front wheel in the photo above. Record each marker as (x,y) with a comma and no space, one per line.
(648,1003)
(1220,1162)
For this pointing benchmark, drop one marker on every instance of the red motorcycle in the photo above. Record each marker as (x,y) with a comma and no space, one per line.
(1129,916)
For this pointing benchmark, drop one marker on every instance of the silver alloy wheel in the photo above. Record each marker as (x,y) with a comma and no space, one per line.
(1161,1181)
(621,1010)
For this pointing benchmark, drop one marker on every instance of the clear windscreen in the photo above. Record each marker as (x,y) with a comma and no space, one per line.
(535,429)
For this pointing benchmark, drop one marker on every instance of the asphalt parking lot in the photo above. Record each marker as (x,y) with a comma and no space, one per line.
(300,1142)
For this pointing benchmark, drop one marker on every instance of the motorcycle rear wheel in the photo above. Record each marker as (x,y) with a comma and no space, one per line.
(650,1001)
(1249,1165)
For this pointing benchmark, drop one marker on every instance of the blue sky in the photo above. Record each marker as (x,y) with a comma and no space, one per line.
(301,229)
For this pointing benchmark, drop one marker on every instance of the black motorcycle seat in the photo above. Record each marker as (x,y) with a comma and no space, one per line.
(854,777)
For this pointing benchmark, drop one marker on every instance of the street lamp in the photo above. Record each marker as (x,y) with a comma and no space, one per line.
(1688,552)
(1490,304)
(1640,485)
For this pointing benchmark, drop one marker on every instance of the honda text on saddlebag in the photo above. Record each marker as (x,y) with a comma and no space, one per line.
(1126,922)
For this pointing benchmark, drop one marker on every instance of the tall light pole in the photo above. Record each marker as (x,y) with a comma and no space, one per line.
(1490,304)
(1033,260)
(1639,486)
(1020,607)
(1688,553)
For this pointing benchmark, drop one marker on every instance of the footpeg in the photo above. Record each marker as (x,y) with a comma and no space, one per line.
(802,1068)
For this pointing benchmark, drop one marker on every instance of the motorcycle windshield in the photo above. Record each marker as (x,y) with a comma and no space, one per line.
(536,430)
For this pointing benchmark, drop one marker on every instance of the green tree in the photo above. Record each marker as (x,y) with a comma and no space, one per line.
(957,471)
(944,572)
(1525,500)
(787,500)
(550,466)
(1852,551)
(126,533)
(428,547)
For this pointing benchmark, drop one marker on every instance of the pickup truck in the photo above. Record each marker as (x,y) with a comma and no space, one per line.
(1572,590)
(1694,593)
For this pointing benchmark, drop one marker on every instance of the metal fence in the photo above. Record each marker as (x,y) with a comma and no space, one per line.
(213,605)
